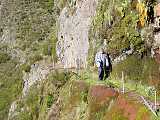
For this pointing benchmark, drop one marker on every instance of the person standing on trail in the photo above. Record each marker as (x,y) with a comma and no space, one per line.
(103,63)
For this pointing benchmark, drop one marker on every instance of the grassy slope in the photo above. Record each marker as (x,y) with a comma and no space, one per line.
(10,85)
(140,75)
(35,31)
(91,77)
(41,96)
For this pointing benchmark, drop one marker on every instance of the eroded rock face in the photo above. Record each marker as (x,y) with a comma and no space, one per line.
(74,24)
(38,72)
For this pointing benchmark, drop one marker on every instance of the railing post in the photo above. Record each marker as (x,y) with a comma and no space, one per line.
(123,89)
(155,102)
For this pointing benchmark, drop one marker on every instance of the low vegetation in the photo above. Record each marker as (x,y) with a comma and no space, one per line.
(10,84)
(4,57)
(49,48)
(116,28)
(140,71)
(41,96)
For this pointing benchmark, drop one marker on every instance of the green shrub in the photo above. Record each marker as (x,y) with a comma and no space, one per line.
(35,58)
(26,67)
(62,3)
(50,100)
(151,73)
(132,68)
(115,23)
(135,69)
(59,78)
(11,86)
(47,4)
(46,49)
(24,116)
(32,102)
(53,40)
(4,57)
(141,112)
(49,47)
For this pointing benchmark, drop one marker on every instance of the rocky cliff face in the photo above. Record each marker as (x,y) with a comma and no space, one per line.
(74,25)
(38,72)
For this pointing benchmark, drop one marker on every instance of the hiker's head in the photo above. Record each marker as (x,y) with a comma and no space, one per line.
(101,50)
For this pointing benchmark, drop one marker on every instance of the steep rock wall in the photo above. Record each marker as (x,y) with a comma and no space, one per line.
(74,25)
